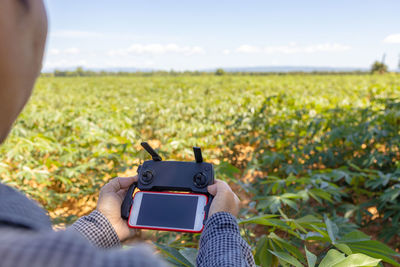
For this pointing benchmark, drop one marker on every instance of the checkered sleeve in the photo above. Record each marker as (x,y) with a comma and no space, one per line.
(22,248)
(221,243)
(98,230)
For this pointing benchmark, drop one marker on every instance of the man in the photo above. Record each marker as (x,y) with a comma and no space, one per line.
(26,236)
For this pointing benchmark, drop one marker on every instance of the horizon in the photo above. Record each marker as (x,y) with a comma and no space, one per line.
(227,34)
(254,69)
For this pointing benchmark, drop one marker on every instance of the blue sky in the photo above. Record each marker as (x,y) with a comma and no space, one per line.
(190,35)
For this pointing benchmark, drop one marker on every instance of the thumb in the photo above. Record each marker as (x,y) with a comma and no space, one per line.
(118,183)
(212,189)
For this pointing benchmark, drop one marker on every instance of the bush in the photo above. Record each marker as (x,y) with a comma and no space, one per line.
(379,67)
(219,72)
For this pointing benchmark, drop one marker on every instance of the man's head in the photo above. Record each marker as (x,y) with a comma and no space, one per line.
(23,30)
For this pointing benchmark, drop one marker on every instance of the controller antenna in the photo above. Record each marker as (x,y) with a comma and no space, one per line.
(151,151)
(197,154)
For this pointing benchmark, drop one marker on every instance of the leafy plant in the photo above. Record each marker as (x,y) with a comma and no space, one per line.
(314,157)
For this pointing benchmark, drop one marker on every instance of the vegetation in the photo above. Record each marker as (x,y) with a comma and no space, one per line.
(219,72)
(379,67)
(314,158)
(80,72)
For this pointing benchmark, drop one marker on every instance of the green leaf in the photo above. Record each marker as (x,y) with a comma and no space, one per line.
(190,254)
(331,228)
(354,236)
(344,248)
(374,245)
(286,257)
(225,168)
(174,254)
(317,193)
(287,246)
(322,232)
(332,257)
(262,256)
(258,219)
(290,195)
(311,258)
(308,219)
(357,260)
(268,222)
(375,249)
(290,203)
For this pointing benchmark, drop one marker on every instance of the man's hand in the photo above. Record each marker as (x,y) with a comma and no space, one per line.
(110,201)
(224,199)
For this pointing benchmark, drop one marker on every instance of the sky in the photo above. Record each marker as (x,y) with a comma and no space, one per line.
(207,34)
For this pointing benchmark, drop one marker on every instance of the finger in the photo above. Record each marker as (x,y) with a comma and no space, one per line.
(218,186)
(212,189)
(125,182)
(119,183)
(122,193)
(223,186)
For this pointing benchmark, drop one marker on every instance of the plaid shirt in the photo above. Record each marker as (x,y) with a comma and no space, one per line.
(27,239)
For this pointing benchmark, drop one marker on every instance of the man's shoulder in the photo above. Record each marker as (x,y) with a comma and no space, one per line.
(18,210)
(22,247)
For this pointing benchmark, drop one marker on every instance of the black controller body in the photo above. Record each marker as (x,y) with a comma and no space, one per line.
(158,175)
(175,176)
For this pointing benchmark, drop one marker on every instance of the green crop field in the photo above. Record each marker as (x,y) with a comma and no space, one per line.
(314,158)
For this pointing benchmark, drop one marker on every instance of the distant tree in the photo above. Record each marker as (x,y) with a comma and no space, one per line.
(398,66)
(79,71)
(173,72)
(379,67)
(219,72)
(59,73)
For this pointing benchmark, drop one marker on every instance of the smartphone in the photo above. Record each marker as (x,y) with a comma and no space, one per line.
(181,212)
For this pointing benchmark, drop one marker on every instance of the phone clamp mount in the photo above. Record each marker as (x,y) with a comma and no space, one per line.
(158,175)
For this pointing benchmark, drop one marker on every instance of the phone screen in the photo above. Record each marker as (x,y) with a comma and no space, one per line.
(168,211)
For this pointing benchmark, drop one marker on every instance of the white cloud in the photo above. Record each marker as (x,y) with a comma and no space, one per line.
(74,34)
(54,51)
(90,63)
(82,35)
(292,48)
(157,49)
(68,51)
(226,51)
(71,51)
(64,63)
(392,39)
(248,49)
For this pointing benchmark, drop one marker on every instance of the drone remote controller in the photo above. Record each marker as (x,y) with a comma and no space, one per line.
(158,175)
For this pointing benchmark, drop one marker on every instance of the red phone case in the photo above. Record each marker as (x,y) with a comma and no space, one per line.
(160,228)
